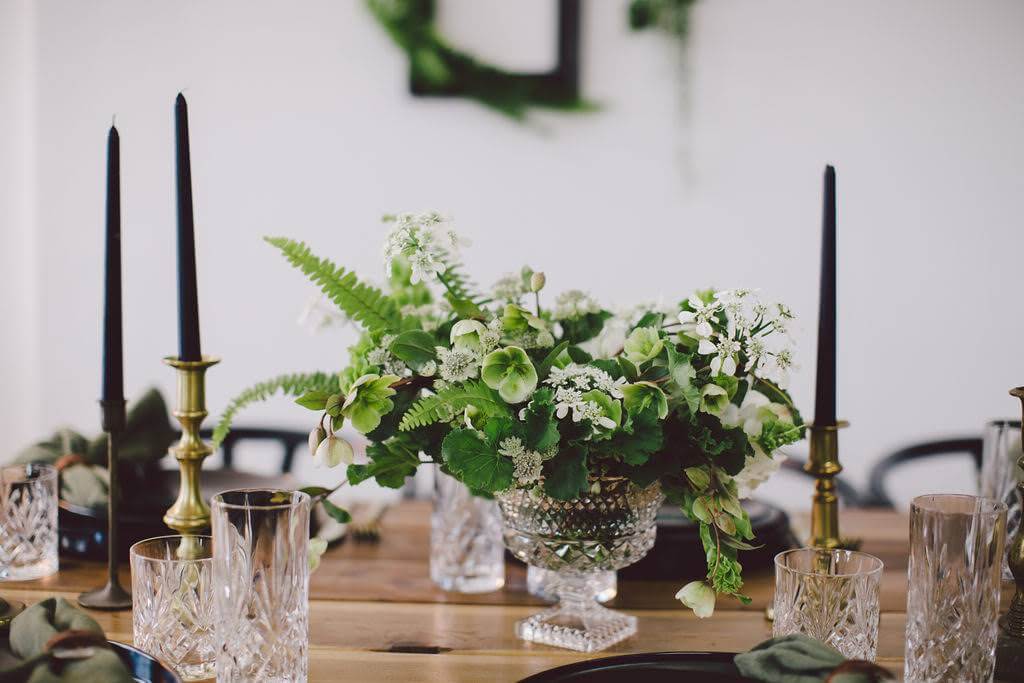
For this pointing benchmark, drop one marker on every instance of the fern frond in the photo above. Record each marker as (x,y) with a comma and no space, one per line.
(458,282)
(291,385)
(365,304)
(426,411)
(453,400)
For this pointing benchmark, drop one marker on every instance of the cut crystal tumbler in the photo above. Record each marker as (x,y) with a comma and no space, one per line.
(831,596)
(999,474)
(466,554)
(261,571)
(956,555)
(28,522)
(172,603)
(610,527)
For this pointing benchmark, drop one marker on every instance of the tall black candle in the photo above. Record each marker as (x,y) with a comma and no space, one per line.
(188,296)
(113,371)
(825,392)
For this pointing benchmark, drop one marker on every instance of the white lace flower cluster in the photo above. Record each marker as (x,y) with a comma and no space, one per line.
(382,356)
(574,380)
(510,288)
(748,327)
(526,464)
(457,365)
(426,239)
(574,304)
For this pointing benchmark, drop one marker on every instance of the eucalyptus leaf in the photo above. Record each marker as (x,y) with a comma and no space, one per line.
(339,514)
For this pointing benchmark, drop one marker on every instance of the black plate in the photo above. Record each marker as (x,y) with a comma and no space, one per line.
(142,667)
(650,667)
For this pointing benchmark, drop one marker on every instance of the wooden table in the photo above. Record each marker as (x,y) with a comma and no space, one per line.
(376,616)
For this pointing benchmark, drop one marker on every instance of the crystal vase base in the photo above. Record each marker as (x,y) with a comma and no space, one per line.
(589,631)
(578,622)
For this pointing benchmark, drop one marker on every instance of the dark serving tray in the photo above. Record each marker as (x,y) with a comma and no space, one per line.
(143,667)
(652,667)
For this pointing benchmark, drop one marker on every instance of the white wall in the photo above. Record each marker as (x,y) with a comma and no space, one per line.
(701,168)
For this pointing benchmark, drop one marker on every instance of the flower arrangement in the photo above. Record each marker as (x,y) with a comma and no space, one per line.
(501,391)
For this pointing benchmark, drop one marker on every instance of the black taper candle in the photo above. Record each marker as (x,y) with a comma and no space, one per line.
(825,390)
(113,370)
(188,296)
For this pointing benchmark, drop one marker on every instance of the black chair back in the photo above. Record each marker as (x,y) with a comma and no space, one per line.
(879,497)
(289,441)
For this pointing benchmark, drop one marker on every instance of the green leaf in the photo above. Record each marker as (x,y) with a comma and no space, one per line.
(361,302)
(578,355)
(464,308)
(587,326)
(545,365)
(315,491)
(475,462)
(636,442)
(391,462)
(565,475)
(415,347)
(699,477)
(629,370)
(314,400)
(339,514)
(539,420)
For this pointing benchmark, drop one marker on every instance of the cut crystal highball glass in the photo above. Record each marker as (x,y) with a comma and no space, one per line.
(831,596)
(261,571)
(956,555)
(28,522)
(610,527)
(172,603)
(466,554)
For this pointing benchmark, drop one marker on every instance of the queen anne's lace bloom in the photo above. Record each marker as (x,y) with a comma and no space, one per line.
(584,378)
(574,304)
(509,288)
(527,464)
(457,365)
(425,239)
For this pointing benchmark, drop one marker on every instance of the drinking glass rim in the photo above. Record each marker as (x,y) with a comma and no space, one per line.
(993,507)
(133,554)
(46,472)
(218,500)
(877,569)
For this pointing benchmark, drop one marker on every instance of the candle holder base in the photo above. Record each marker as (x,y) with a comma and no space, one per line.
(109,598)
(824,465)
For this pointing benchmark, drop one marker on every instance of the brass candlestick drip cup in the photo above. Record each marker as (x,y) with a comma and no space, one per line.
(190,514)
(824,465)
(1013,622)
(111,596)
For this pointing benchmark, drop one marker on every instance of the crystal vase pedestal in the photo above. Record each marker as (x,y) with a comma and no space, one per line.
(609,528)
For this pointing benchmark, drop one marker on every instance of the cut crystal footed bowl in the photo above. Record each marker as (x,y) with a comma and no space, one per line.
(610,527)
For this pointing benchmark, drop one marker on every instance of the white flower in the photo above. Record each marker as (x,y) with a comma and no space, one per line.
(714,399)
(527,464)
(755,349)
(748,414)
(428,369)
(574,304)
(457,365)
(699,597)
(584,378)
(699,319)
(725,352)
(757,469)
(425,239)
(509,288)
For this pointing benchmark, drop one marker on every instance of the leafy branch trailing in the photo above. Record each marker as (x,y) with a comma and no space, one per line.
(294,384)
(361,302)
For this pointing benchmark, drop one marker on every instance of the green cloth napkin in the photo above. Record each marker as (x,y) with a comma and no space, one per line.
(800,659)
(33,628)
(147,435)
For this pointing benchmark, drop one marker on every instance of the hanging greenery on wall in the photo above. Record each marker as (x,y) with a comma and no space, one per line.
(438,68)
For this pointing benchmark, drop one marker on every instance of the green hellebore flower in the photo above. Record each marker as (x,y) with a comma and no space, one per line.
(713,399)
(640,395)
(466,334)
(642,344)
(510,371)
(699,597)
(368,400)
(517,320)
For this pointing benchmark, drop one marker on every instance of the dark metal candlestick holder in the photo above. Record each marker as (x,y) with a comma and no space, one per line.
(111,596)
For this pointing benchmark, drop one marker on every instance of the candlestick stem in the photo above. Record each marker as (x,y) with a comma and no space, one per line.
(1013,623)
(111,596)
(190,514)
(824,465)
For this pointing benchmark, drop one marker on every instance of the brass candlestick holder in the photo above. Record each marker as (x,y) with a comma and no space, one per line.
(111,596)
(824,465)
(1013,623)
(190,514)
